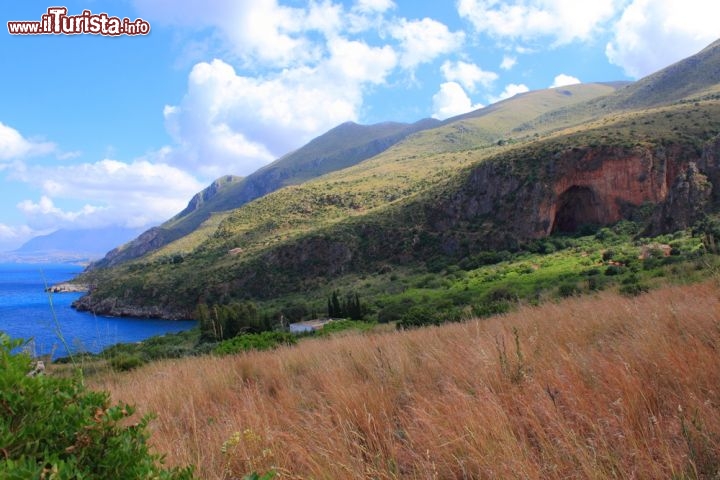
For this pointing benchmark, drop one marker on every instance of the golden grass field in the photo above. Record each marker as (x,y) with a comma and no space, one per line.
(594,387)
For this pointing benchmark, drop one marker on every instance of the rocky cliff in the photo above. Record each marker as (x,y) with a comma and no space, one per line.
(584,185)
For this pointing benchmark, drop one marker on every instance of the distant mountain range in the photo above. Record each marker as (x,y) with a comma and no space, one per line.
(363,199)
(71,245)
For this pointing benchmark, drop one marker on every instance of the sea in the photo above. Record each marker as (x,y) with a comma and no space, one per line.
(51,326)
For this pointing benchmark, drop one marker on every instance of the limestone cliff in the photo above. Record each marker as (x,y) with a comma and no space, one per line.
(585,185)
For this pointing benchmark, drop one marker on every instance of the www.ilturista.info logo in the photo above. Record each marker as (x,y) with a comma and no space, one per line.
(57,21)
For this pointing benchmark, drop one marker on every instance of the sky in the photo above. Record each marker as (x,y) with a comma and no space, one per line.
(100,130)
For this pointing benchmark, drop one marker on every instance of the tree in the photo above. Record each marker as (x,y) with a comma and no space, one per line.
(335,310)
(210,330)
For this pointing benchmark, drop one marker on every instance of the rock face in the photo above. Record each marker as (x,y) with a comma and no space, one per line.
(67,288)
(115,307)
(585,185)
(603,186)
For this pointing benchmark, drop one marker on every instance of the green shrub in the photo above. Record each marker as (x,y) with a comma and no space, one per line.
(568,290)
(394,311)
(254,341)
(123,362)
(342,325)
(633,289)
(613,270)
(54,428)
(418,316)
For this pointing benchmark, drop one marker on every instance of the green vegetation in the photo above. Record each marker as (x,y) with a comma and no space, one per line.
(254,341)
(345,325)
(222,322)
(350,307)
(54,428)
(481,284)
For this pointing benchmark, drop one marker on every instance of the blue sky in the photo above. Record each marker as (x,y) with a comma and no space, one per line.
(98,130)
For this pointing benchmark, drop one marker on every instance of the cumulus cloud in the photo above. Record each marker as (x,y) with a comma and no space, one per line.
(511,90)
(468,75)
(297,73)
(451,100)
(563,20)
(14,146)
(111,193)
(563,80)
(424,40)
(49,214)
(229,123)
(258,31)
(652,34)
(508,62)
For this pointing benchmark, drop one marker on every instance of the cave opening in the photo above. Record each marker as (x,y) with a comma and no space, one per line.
(577,207)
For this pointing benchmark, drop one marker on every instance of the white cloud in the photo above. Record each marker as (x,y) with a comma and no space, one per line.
(48,212)
(467,74)
(508,62)
(228,123)
(12,236)
(14,146)
(451,100)
(424,40)
(564,80)
(357,62)
(379,6)
(111,193)
(652,34)
(511,90)
(299,74)
(562,20)
(258,31)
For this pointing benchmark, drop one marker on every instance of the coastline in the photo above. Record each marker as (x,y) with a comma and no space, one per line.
(67,287)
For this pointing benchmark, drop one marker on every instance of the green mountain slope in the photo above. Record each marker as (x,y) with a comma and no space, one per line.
(339,148)
(693,78)
(413,205)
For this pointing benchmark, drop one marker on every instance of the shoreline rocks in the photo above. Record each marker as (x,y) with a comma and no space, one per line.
(67,288)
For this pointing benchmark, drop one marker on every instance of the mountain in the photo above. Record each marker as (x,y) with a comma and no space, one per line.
(72,245)
(688,80)
(693,77)
(341,147)
(442,195)
(201,204)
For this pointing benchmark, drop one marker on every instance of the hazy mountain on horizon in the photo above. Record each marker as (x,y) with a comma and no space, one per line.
(66,244)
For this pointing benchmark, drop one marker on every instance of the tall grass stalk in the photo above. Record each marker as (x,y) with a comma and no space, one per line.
(56,322)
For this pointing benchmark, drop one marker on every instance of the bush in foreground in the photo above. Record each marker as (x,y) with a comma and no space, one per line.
(54,428)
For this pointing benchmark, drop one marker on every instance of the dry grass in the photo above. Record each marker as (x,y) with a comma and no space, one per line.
(603,387)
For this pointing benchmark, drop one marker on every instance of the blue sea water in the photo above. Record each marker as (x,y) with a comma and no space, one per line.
(28,312)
